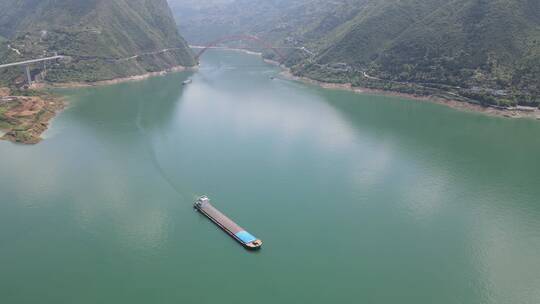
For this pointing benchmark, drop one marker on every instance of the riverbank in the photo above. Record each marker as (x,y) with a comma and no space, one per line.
(452,103)
(140,77)
(23,119)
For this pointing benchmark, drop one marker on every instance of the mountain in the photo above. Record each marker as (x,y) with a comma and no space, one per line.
(487,48)
(204,21)
(103,39)
(483,50)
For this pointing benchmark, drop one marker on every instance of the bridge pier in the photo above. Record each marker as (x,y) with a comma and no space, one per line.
(26,65)
(28,75)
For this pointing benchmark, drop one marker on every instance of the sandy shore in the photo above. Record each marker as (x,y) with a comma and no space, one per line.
(455,104)
(113,81)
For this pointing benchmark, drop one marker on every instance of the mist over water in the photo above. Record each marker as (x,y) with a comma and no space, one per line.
(357,198)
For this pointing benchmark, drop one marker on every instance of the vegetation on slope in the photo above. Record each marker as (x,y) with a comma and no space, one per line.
(102,39)
(484,50)
(25,115)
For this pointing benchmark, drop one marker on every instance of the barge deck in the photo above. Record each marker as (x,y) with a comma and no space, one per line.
(238,233)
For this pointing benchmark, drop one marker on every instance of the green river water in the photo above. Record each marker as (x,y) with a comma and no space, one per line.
(358,198)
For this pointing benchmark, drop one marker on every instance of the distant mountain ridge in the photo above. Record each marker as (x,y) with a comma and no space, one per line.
(105,39)
(486,50)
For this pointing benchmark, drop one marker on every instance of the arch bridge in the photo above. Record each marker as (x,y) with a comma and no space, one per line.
(264,44)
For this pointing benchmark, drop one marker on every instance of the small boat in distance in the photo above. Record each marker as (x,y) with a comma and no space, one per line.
(186,82)
(226,224)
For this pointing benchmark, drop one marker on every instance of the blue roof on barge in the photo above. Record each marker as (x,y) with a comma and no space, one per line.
(245,237)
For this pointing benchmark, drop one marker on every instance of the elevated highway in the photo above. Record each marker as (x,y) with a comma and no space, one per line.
(26,64)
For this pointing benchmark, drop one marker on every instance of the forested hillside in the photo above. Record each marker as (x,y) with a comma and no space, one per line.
(485,50)
(103,39)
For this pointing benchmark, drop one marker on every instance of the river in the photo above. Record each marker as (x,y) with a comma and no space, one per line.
(358,198)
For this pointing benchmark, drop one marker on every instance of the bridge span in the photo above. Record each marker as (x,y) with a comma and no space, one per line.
(26,64)
(263,43)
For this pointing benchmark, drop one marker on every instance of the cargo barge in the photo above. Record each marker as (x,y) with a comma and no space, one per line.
(238,233)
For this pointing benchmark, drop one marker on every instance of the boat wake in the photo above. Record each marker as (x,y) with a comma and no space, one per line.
(182,192)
